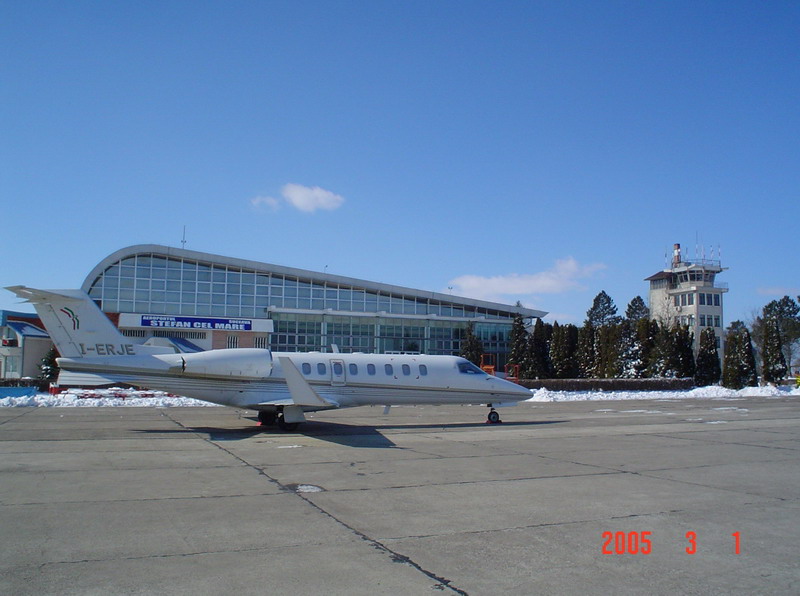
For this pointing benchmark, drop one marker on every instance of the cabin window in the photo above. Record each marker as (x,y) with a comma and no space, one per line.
(353,369)
(423,370)
(469,368)
(338,370)
(306,368)
(406,369)
(371,369)
(389,369)
(321,368)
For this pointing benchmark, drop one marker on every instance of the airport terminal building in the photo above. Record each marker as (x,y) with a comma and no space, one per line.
(200,301)
(23,344)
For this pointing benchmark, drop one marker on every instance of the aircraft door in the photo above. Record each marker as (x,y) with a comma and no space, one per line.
(338,372)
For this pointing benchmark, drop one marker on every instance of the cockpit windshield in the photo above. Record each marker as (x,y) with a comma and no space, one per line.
(469,369)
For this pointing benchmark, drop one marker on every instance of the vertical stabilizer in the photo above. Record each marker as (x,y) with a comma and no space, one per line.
(76,325)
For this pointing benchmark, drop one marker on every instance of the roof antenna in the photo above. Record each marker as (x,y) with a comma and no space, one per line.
(183,240)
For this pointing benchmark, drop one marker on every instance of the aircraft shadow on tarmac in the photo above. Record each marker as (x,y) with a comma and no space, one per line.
(349,435)
(342,434)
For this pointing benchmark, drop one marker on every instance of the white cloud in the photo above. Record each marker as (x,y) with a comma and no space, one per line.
(564,276)
(311,198)
(268,202)
(303,198)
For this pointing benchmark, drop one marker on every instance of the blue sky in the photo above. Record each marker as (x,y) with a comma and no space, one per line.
(532,151)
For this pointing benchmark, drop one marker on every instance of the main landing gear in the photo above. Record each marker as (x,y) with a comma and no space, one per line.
(493,417)
(267,418)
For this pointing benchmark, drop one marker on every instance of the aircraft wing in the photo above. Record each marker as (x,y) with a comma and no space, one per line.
(302,393)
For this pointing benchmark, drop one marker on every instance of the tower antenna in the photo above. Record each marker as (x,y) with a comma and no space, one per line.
(183,240)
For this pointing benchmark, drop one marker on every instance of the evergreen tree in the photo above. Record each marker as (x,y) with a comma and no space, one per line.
(683,352)
(773,368)
(786,313)
(637,310)
(661,355)
(739,364)
(672,355)
(48,369)
(572,350)
(471,345)
(630,350)
(731,368)
(562,351)
(646,332)
(538,351)
(585,351)
(557,350)
(603,311)
(748,359)
(707,370)
(607,352)
(518,342)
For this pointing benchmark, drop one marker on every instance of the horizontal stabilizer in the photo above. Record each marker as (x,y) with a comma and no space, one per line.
(75,323)
(302,393)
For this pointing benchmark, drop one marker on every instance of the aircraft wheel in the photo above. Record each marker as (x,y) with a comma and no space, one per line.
(493,417)
(287,426)
(266,418)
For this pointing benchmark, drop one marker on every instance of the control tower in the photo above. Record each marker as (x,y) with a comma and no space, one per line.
(688,293)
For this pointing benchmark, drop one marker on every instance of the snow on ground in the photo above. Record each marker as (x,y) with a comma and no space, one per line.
(712,392)
(92,398)
(130,398)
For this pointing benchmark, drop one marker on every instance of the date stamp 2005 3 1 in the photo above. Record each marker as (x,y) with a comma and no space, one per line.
(641,543)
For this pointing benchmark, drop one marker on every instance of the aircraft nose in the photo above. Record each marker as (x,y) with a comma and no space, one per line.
(511,388)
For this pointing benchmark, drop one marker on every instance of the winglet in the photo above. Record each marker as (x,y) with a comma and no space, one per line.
(302,393)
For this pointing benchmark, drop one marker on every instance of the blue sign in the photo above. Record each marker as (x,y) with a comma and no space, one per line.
(200,323)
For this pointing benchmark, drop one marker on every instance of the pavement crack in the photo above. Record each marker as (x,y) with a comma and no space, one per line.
(12,418)
(253,549)
(442,583)
(539,525)
(602,472)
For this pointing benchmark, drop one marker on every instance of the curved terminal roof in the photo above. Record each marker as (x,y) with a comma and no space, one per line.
(301,274)
(27,330)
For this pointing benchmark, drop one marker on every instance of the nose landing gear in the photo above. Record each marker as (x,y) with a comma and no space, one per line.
(493,417)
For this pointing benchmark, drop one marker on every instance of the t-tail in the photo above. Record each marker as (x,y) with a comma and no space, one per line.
(76,324)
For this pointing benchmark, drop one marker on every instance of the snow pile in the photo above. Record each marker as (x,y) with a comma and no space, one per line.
(712,392)
(131,398)
(114,397)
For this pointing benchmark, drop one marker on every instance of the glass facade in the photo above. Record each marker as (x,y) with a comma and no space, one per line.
(308,313)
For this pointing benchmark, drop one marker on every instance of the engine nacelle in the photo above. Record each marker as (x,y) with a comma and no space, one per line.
(254,363)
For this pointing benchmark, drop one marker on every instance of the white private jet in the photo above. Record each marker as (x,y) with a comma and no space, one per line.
(280,386)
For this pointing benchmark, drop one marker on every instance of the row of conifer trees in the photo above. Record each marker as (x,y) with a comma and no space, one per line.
(635,346)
